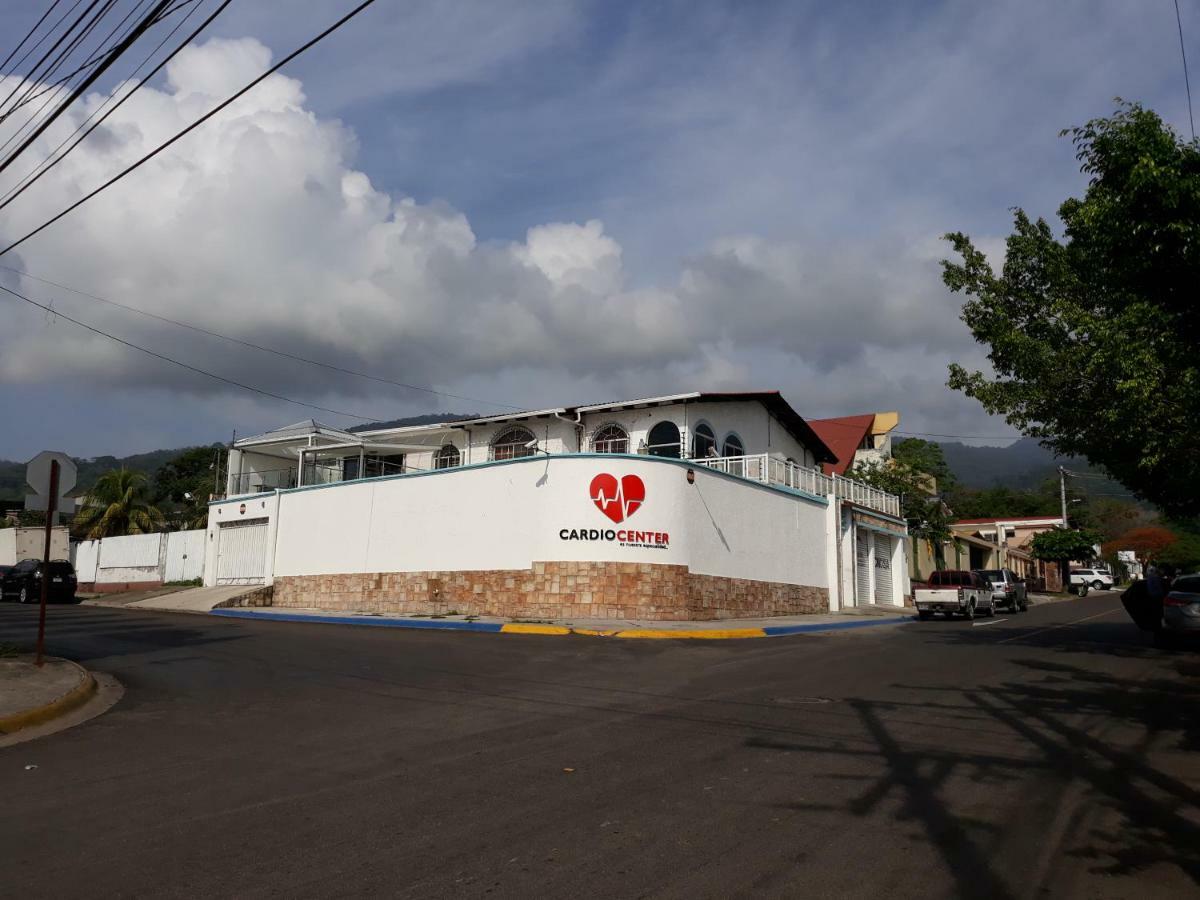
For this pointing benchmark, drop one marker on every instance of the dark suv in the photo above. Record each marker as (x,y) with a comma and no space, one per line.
(24,581)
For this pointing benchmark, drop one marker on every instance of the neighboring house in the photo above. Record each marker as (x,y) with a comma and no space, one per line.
(992,543)
(522,514)
(856,439)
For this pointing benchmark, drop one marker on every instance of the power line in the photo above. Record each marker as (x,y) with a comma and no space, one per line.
(1187,83)
(31,33)
(281,353)
(183,365)
(52,160)
(32,77)
(96,56)
(212,112)
(146,23)
(40,41)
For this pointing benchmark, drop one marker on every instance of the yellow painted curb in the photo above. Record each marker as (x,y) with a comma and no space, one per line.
(519,628)
(594,632)
(710,635)
(73,699)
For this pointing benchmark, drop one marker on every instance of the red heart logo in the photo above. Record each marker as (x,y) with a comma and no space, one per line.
(617,500)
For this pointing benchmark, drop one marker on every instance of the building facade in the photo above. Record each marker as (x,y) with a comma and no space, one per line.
(692,506)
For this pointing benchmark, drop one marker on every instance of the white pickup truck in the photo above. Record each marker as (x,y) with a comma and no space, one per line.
(954,592)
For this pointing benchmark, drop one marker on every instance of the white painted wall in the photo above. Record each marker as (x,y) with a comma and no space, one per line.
(163,556)
(184,559)
(17,544)
(85,556)
(509,515)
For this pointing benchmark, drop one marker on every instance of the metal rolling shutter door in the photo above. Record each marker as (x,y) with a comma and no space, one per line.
(883,568)
(242,552)
(862,567)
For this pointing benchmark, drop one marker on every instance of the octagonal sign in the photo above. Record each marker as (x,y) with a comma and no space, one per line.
(37,478)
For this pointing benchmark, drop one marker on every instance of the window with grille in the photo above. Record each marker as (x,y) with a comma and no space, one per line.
(610,439)
(663,440)
(704,441)
(447,457)
(513,443)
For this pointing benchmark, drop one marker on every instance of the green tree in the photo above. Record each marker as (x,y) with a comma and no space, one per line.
(119,503)
(1095,340)
(925,457)
(923,510)
(181,487)
(1063,545)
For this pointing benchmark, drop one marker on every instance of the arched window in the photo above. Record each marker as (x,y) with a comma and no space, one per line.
(610,439)
(704,441)
(512,443)
(447,457)
(733,446)
(663,440)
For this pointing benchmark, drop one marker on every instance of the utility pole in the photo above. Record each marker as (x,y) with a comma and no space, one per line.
(1062,490)
(51,508)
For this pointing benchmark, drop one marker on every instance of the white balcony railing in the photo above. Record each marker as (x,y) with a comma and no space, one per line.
(770,470)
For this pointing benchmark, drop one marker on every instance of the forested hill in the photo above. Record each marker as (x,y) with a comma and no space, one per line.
(12,473)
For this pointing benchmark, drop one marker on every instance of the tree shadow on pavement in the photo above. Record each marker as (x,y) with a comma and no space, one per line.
(1105,741)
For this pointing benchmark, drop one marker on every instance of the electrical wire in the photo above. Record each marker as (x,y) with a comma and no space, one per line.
(196,124)
(1187,82)
(183,365)
(145,24)
(96,56)
(253,346)
(41,40)
(52,160)
(32,31)
(32,79)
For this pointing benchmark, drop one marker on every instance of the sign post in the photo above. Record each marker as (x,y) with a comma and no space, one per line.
(51,507)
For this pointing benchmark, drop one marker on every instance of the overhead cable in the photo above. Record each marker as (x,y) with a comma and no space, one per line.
(196,124)
(53,159)
(175,362)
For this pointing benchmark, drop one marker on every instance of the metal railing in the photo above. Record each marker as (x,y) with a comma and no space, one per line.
(259,482)
(767,469)
(865,495)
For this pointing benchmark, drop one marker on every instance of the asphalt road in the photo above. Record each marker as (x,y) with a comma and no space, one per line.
(1049,753)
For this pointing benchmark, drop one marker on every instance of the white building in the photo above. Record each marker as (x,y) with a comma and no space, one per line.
(699,505)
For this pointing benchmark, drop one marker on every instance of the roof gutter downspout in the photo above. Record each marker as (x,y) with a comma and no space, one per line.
(578,423)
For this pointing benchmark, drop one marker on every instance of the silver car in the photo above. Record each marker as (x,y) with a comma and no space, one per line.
(1007,589)
(1181,610)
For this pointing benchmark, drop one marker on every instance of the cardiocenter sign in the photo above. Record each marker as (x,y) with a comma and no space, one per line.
(618,500)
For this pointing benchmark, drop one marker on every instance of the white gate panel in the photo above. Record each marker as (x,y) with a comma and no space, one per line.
(130,551)
(185,556)
(242,552)
(862,567)
(883,568)
(85,558)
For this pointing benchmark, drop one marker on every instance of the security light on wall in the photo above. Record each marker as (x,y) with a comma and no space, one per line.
(530,445)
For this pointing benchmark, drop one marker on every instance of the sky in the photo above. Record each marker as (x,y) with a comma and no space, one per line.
(510,204)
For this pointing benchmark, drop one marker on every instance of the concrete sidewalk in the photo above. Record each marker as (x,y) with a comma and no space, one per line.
(31,696)
(197,600)
(723,629)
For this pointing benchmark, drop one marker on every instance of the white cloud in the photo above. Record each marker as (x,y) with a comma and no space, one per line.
(258,225)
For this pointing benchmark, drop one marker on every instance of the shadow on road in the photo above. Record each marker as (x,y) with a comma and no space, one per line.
(1097,734)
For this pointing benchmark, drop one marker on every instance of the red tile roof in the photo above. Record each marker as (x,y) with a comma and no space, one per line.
(843,436)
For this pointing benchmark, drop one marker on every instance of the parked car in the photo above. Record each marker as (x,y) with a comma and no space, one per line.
(954,592)
(24,581)
(1007,589)
(1180,611)
(1096,579)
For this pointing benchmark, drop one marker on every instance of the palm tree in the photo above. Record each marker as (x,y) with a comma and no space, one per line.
(119,503)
